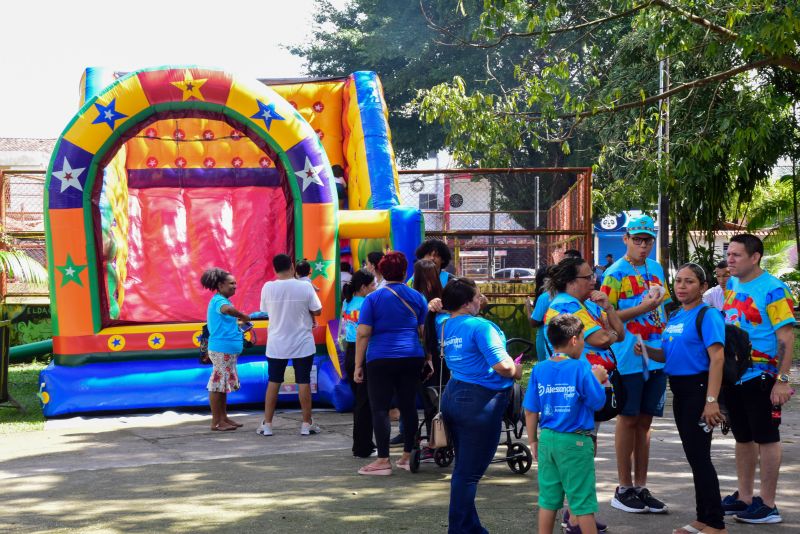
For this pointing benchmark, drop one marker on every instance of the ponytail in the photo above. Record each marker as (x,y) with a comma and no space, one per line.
(360,279)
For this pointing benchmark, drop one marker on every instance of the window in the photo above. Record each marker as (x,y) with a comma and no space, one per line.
(427,201)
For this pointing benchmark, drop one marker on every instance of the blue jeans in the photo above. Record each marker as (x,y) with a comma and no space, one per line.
(474,415)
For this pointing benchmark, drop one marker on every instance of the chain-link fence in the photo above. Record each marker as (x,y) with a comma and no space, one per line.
(22,220)
(503,224)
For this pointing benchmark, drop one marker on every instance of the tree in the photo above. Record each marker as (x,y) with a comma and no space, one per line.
(734,64)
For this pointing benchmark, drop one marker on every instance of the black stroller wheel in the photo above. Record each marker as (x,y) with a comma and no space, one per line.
(443,457)
(414,461)
(519,458)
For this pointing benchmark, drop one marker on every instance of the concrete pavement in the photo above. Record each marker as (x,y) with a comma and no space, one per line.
(169,473)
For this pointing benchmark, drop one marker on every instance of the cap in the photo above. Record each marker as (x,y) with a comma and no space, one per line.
(642,225)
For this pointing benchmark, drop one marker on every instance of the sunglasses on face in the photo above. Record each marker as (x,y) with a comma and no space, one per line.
(642,240)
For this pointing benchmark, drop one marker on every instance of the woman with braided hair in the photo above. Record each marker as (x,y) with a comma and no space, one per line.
(225,343)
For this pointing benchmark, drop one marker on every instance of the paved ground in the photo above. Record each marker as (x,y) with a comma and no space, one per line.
(169,473)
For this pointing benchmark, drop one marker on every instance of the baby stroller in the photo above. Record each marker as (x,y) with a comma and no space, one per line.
(518,455)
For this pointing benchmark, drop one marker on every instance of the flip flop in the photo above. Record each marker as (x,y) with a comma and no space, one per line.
(371,469)
(686,529)
(224,429)
(406,466)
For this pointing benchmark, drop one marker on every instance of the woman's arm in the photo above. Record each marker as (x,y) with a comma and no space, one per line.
(716,359)
(507,368)
(652,352)
(363,333)
(227,309)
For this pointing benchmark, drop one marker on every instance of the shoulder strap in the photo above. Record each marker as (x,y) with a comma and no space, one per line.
(441,364)
(698,322)
(402,300)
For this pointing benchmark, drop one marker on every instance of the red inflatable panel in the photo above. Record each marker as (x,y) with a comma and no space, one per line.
(175,234)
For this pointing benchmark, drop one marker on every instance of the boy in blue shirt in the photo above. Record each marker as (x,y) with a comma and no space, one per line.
(562,396)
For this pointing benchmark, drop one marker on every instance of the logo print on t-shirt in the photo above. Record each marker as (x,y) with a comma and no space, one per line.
(741,306)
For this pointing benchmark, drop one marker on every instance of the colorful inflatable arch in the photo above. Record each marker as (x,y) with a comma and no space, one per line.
(165,172)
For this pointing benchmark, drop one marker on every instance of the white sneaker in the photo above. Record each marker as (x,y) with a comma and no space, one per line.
(309,428)
(264,429)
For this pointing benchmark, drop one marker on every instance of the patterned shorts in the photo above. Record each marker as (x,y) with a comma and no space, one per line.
(224,378)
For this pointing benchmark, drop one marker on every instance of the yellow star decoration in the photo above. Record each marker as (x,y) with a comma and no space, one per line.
(190,86)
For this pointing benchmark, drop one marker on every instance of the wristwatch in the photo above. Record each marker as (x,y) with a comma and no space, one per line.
(783,378)
(711,399)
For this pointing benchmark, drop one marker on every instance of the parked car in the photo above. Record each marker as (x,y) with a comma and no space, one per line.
(514,273)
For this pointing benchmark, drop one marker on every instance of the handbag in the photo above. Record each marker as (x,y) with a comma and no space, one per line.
(615,395)
(440,436)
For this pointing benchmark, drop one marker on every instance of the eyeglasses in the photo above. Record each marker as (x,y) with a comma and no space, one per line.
(587,276)
(642,240)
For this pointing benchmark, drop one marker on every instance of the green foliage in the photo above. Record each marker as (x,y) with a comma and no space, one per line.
(592,70)
(18,265)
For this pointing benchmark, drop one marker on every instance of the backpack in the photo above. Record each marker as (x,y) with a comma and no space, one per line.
(738,350)
(203,339)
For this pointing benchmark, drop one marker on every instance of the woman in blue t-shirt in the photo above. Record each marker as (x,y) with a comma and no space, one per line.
(387,339)
(225,343)
(473,403)
(694,361)
(354,292)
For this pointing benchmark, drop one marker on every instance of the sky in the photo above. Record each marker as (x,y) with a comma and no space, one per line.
(46,45)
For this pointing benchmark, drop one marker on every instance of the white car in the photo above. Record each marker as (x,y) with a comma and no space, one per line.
(515,273)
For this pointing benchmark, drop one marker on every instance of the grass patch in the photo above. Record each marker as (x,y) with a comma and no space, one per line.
(23,385)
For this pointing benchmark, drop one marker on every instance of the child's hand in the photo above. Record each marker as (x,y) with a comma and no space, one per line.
(534,445)
(600,373)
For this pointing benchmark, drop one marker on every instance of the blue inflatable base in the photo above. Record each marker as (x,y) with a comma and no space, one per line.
(157,384)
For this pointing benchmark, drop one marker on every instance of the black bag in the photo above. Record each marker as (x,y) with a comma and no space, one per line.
(514,410)
(615,395)
(738,350)
(204,359)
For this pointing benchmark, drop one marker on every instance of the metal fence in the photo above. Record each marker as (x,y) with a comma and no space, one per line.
(503,223)
(22,220)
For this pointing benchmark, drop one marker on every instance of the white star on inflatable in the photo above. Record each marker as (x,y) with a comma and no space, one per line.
(69,176)
(310,174)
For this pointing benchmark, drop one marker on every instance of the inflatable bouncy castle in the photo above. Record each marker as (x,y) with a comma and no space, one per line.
(166,172)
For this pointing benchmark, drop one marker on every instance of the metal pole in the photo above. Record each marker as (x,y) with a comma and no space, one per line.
(538,238)
(663,148)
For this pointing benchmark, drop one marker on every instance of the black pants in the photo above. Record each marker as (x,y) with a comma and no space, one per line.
(689,400)
(389,377)
(362,414)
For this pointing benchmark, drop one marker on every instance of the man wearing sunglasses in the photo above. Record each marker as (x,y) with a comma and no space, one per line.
(636,287)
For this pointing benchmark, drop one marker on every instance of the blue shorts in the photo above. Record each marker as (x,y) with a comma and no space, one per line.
(276,368)
(644,397)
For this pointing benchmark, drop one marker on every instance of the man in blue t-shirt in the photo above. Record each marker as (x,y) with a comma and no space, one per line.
(637,288)
(762,306)
(563,394)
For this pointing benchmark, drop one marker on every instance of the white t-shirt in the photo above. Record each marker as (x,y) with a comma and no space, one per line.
(715,297)
(288,303)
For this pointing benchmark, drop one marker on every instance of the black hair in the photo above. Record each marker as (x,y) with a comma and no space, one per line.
(361,278)
(338,171)
(303,268)
(562,328)
(609,256)
(721,265)
(572,253)
(345,267)
(541,273)
(375,257)
(213,277)
(281,263)
(697,269)
(426,280)
(562,274)
(434,245)
(457,292)
(751,243)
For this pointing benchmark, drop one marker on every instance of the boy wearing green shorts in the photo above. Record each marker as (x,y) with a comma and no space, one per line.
(562,396)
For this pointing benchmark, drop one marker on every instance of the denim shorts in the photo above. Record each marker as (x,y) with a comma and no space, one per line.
(644,397)
(276,368)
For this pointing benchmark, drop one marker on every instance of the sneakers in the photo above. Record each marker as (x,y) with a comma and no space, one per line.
(601,527)
(758,513)
(653,505)
(731,504)
(264,429)
(397,441)
(307,429)
(629,501)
